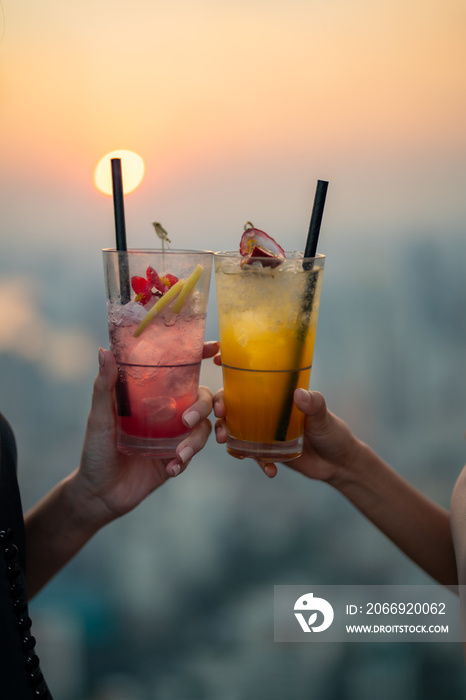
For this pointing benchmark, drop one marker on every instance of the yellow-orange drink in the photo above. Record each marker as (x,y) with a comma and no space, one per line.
(267,321)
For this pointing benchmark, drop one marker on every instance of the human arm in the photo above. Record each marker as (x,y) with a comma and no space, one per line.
(418,526)
(107,484)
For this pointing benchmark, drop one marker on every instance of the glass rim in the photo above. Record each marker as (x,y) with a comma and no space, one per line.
(172,251)
(290,255)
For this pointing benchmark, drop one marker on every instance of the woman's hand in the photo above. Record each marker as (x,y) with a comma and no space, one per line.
(107,484)
(111,483)
(328,442)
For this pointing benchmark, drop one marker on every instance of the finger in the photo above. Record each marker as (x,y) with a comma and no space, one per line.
(220,431)
(218,359)
(199,410)
(269,468)
(210,349)
(188,447)
(103,397)
(312,403)
(219,404)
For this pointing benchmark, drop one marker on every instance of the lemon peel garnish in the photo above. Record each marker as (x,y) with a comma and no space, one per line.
(191,282)
(162,302)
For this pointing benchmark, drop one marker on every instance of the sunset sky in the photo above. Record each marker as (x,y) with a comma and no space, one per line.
(237,108)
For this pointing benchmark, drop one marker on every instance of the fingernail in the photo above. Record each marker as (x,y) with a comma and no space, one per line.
(270,471)
(192,418)
(185,454)
(101,358)
(303,395)
(175,470)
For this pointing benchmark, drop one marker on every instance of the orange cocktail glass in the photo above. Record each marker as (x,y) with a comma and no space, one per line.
(267,322)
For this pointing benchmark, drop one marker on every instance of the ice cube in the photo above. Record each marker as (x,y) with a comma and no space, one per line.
(159,409)
(126,315)
(144,352)
(183,380)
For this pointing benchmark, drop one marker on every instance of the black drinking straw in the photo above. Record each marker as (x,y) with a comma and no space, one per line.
(120,230)
(316,219)
(306,305)
(121,388)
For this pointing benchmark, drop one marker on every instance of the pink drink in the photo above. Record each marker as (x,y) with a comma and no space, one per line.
(159,375)
(159,368)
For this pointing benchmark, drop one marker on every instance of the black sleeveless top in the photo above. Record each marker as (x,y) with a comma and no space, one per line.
(20,674)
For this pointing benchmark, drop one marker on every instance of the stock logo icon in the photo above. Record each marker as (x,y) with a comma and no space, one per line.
(312,605)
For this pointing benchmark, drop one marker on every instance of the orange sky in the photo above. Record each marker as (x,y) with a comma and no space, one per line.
(236,105)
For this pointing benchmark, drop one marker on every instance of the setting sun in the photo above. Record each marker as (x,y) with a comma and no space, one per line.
(132,167)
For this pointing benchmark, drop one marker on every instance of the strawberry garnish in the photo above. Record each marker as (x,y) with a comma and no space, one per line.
(258,244)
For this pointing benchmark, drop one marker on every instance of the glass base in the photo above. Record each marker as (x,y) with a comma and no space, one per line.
(265,451)
(148,447)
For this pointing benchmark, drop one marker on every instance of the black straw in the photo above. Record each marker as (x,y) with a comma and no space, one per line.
(120,229)
(121,387)
(306,306)
(316,219)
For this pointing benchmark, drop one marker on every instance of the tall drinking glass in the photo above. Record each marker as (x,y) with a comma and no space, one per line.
(267,322)
(156,333)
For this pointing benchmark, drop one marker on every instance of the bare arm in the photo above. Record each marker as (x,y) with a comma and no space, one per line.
(107,484)
(417,525)
(56,529)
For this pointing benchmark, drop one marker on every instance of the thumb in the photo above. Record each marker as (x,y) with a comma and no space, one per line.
(103,397)
(312,404)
